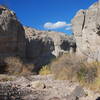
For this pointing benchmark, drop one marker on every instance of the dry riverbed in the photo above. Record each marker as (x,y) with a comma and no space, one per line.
(43,88)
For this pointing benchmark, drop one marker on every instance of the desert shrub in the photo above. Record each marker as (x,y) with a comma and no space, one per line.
(74,68)
(95,85)
(27,69)
(81,74)
(45,70)
(15,66)
(67,65)
(87,73)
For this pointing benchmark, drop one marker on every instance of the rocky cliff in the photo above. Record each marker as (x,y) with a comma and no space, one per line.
(12,37)
(86,28)
(31,44)
(42,46)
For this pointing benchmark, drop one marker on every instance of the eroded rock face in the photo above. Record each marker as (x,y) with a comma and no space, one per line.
(45,45)
(86,28)
(34,45)
(55,42)
(12,39)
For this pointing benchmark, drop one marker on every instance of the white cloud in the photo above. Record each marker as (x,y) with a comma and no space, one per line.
(68,28)
(59,24)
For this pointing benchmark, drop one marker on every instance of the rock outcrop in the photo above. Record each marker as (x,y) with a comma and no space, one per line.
(29,43)
(45,45)
(12,37)
(55,42)
(86,29)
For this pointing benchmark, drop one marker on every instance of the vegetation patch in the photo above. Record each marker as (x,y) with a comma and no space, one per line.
(15,66)
(73,68)
(45,70)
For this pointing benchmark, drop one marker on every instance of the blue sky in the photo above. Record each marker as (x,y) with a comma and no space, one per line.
(47,14)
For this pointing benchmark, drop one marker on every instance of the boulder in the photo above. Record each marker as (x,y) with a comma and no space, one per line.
(37,85)
(85,26)
(77,94)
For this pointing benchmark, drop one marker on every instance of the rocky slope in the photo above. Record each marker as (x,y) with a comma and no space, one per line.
(86,30)
(44,88)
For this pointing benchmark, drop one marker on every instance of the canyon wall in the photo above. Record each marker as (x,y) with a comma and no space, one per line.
(86,29)
(12,35)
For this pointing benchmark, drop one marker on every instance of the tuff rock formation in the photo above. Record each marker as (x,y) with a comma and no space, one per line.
(42,46)
(55,42)
(86,29)
(29,43)
(12,39)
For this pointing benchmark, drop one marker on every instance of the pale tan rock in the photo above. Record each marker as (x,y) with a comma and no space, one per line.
(47,44)
(37,85)
(85,30)
(55,98)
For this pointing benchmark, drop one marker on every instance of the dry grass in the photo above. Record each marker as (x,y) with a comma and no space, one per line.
(71,67)
(15,66)
(66,66)
(45,70)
